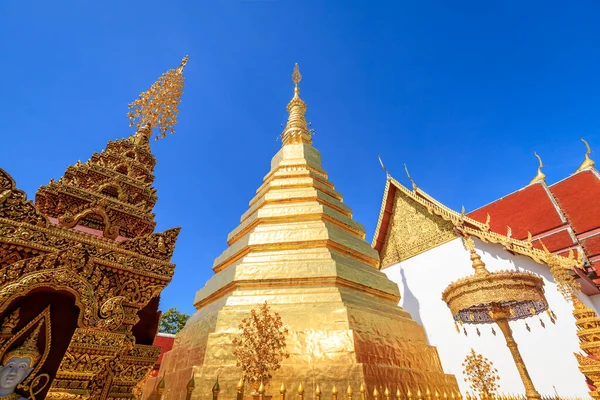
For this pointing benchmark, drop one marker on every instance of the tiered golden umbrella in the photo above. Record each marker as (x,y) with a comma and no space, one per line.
(487,297)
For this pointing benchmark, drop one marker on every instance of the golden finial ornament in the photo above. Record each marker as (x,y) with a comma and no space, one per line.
(587,162)
(296,130)
(477,264)
(363,395)
(334,392)
(539,177)
(414,185)
(386,393)
(398,393)
(318,392)
(349,391)
(156,108)
(387,174)
(300,391)
(191,385)
(375,393)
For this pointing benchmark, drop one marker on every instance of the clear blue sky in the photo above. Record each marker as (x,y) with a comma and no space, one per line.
(463,92)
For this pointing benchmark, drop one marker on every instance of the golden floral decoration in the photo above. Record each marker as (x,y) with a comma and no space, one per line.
(157,107)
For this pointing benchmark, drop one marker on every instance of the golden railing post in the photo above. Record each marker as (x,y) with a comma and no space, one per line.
(362,392)
(240,389)
(334,392)
(261,391)
(160,390)
(216,389)
(300,391)
(427,393)
(375,393)
(190,388)
(419,394)
(408,393)
(398,393)
(437,394)
(349,392)
(386,393)
(317,392)
(282,391)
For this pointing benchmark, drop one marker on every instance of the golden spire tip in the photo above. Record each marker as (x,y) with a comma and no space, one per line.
(296,76)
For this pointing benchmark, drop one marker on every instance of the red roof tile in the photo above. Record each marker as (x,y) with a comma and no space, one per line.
(592,245)
(556,241)
(528,210)
(577,196)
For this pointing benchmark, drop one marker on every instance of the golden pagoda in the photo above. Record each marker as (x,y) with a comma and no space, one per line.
(298,248)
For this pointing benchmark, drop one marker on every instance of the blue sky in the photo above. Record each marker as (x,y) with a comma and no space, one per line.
(463,92)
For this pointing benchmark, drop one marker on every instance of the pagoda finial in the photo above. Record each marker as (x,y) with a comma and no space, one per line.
(587,162)
(157,107)
(296,130)
(539,177)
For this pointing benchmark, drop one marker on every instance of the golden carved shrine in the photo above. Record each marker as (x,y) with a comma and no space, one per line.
(298,248)
(81,272)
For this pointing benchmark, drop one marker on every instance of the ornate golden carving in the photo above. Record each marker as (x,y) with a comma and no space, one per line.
(14,204)
(412,231)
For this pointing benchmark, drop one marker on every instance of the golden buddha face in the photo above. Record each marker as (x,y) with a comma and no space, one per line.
(13,372)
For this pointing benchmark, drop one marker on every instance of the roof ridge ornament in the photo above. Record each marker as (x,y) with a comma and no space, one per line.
(387,174)
(587,162)
(296,130)
(157,106)
(414,185)
(540,176)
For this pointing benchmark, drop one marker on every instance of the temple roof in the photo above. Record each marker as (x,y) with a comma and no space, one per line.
(412,222)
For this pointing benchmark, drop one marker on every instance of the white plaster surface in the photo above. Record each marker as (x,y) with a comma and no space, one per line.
(548,353)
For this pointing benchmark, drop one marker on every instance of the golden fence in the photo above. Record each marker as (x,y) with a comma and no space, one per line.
(382,393)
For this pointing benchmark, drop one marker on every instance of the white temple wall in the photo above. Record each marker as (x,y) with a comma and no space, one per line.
(548,353)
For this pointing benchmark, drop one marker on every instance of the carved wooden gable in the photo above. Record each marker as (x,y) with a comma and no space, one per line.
(14,204)
(412,230)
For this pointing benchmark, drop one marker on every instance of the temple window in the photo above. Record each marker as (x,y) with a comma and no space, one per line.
(93,221)
(110,191)
(122,169)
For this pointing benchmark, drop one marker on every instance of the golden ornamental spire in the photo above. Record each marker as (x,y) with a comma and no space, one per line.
(157,107)
(587,162)
(296,130)
(539,177)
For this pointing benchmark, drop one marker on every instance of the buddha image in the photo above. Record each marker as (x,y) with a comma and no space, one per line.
(17,364)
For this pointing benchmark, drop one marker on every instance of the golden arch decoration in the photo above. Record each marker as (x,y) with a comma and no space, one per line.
(62,279)
(122,196)
(109,230)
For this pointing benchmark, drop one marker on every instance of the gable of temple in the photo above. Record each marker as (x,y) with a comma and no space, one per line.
(410,227)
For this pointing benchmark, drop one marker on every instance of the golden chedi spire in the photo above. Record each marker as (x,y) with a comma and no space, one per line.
(157,107)
(298,248)
(587,162)
(296,130)
(540,176)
